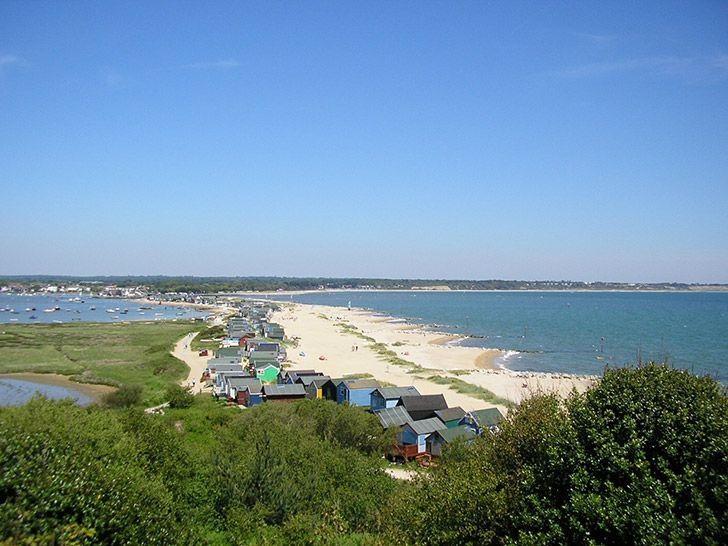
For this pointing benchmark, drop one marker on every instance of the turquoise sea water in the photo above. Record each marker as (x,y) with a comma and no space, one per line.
(574,332)
(31,309)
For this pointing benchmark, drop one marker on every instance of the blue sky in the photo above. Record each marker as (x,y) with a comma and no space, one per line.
(583,140)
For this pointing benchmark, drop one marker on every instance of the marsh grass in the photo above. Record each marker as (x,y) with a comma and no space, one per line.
(471,390)
(116,354)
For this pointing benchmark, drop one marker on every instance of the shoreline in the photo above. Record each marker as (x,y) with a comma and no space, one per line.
(400,353)
(92,390)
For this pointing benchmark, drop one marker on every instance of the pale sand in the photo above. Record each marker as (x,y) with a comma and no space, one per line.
(321,336)
(193,359)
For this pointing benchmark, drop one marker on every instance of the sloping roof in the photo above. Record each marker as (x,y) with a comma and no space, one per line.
(227,375)
(392,393)
(227,351)
(361,384)
(487,417)
(306,380)
(291,389)
(451,434)
(426,426)
(302,372)
(267,364)
(450,414)
(432,402)
(393,417)
(254,385)
(320,381)
(272,347)
(221,368)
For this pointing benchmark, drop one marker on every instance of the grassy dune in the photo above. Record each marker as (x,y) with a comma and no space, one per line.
(113,354)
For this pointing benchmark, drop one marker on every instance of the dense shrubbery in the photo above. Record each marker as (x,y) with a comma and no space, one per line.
(639,459)
(642,458)
(179,397)
(125,396)
(207,473)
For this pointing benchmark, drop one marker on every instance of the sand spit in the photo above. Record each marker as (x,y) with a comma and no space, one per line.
(339,341)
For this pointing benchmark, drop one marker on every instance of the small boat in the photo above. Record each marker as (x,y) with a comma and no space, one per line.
(48,310)
(57,322)
(32,317)
(110,311)
(92,308)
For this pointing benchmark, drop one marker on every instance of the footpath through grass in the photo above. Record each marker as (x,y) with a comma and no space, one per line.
(135,353)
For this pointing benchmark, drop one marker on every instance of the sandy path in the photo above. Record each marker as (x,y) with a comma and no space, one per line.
(196,362)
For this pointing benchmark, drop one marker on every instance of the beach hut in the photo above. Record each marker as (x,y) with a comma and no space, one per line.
(481,420)
(245,391)
(283,393)
(271,330)
(387,397)
(314,390)
(415,434)
(215,363)
(451,416)
(229,352)
(285,374)
(219,384)
(356,392)
(304,377)
(441,437)
(394,418)
(423,406)
(267,373)
(330,388)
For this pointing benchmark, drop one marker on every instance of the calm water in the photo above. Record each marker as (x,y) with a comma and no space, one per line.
(16,392)
(20,309)
(576,332)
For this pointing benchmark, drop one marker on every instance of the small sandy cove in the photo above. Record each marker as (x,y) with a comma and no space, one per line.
(322,333)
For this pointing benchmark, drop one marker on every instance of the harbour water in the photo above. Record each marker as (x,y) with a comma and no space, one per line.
(572,332)
(16,392)
(62,308)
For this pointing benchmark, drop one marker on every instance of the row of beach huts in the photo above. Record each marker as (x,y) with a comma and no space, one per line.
(247,370)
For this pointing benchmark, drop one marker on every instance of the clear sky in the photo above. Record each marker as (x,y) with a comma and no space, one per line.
(543,140)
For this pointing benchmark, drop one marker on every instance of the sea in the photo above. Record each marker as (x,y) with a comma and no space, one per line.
(31,309)
(566,332)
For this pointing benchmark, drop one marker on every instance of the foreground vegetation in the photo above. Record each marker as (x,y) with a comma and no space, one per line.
(109,353)
(641,458)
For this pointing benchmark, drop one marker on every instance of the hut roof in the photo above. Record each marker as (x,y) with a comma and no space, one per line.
(426,426)
(450,414)
(451,434)
(291,389)
(393,417)
(487,417)
(431,402)
(392,393)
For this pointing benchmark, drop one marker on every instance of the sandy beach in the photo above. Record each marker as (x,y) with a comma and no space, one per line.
(334,333)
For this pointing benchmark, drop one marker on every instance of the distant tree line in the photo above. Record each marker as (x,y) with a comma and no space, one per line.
(211,285)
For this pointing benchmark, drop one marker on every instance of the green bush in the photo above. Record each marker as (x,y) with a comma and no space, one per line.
(179,397)
(640,458)
(124,397)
